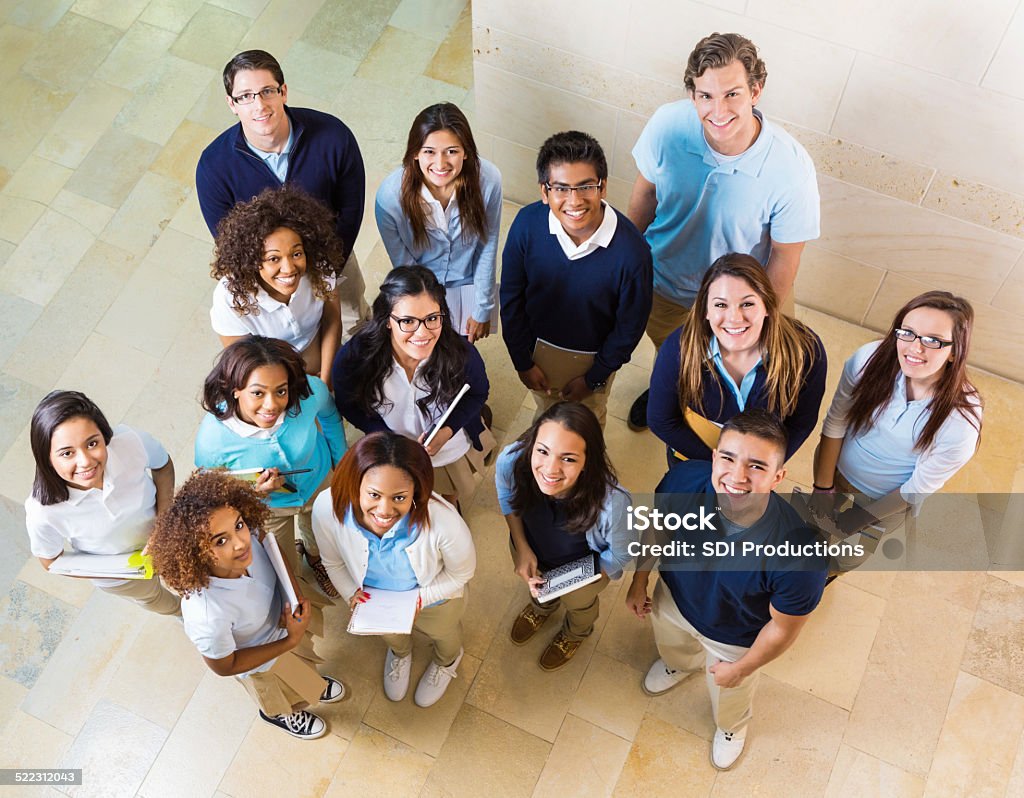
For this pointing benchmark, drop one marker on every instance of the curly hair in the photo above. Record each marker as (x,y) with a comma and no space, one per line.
(719,50)
(180,542)
(242,233)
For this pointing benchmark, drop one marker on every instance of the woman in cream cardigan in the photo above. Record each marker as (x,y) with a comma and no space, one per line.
(381,528)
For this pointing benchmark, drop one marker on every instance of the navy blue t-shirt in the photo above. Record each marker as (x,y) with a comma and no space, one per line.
(727,599)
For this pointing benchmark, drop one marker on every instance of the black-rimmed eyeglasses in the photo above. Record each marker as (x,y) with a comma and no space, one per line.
(586,192)
(247,97)
(408,324)
(927,341)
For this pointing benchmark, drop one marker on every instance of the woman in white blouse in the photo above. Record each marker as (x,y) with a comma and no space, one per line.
(381,529)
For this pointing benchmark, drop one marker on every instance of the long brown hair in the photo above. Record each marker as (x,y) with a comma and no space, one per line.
(953,392)
(788,346)
(443,116)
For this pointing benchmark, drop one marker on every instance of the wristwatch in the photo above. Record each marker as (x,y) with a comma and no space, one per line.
(594,386)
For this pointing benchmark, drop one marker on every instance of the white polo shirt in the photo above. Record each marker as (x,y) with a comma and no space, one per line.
(231,614)
(113,520)
(402,414)
(297,322)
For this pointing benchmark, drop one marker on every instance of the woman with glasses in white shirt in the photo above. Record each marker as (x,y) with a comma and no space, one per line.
(405,366)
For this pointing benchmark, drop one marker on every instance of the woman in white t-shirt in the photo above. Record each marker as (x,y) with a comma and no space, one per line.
(97,489)
(278,260)
(208,545)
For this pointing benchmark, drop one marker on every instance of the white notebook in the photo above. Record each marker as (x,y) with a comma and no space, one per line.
(133,565)
(569,577)
(385,612)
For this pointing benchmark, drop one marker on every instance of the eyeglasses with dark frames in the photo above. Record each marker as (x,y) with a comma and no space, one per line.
(408,324)
(927,341)
(247,97)
(588,191)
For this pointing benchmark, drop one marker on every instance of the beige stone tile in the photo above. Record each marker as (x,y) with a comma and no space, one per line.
(610,697)
(621,164)
(247,8)
(29,742)
(994,647)
(48,253)
(585,760)
(532,110)
(69,590)
(963,588)
(170,276)
(68,55)
(857,773)
(120,15)
(825,664)
(17,467)
(1013,577)
(350,27)
(16,44)
(959,47)
(113,167)
(1003,73)
(1016,782)
(422,729)
(878,583)
(281,22)
(833,284)
(171,15)
(40,16)
(145,213)
(917,243)
(17,217)
(93,216)
(85,658)
(453,61)
(82,124)
(38,180)
(864,167)
(972,758)
(376,764)
(137,53)
(906,112)
(316,71)
(1010,296)
(188,361)
(660,754)
(211,37)
(432,20)
(269,762)
(161,103)
(625,637)
(619,192)
(189,220)
(902,702)
(160,655)
(978,203)
(100,750)
(38,106)
(518,175)
(486,756)
(207,748)
(639,458)
(11,696)
(50,344)
(397,55)
(111,373)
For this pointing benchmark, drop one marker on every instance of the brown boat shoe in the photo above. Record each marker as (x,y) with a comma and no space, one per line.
(526,624)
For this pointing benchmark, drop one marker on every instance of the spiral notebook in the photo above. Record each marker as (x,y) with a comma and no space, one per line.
(569,577)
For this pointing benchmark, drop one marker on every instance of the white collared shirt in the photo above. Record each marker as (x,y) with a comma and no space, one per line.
(297,322)
(602,237)
(114,519)
(402,414)
(232,614)
(247,430)
(437,216)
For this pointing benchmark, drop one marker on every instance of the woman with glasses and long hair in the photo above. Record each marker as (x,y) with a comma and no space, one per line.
(403,369)
(736,350)
(904,419)
(442,209)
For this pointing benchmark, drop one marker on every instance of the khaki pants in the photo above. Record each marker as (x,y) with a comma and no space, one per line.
(150,594)
(287,523)
(870,541)
(442,623)
(596,401)
(683,648)
(292,683)
(352,293)
(667,315)
(582,606)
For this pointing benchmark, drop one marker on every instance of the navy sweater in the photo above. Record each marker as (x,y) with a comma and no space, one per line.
(466,414)
(324,161)
(666,419)
(599,303)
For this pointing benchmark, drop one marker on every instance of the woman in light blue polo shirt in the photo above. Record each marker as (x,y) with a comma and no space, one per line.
(442,210)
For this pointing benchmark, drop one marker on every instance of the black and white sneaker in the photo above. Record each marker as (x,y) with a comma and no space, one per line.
(335,691)
(302,724)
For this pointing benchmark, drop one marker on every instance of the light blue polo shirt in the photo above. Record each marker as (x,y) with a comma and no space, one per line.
(277,161)
(389,567)
(706,209)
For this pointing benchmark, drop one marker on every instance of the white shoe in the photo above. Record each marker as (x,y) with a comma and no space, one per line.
(435,681)
(726,748)
(334,691)
(661,678)
(396,675)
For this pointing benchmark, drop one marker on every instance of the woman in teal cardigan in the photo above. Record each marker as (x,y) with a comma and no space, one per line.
(264,412)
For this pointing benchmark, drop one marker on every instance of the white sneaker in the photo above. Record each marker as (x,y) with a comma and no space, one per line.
(435,681)
(396,675)
(661,678)
(726,748)
(334,691)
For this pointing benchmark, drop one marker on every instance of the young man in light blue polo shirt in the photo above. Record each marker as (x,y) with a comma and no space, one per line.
(717,177)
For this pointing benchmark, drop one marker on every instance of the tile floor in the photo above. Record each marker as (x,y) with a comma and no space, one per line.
(901,684)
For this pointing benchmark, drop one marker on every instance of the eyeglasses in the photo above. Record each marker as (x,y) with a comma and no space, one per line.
(408,324)
(247,97)
(586,192)
(927,341)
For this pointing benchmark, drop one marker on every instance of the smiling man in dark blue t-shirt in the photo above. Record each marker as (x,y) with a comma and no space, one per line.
(730,613)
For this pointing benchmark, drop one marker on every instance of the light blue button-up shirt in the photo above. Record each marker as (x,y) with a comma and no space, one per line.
(277,161)
(741,391)
(389,567)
